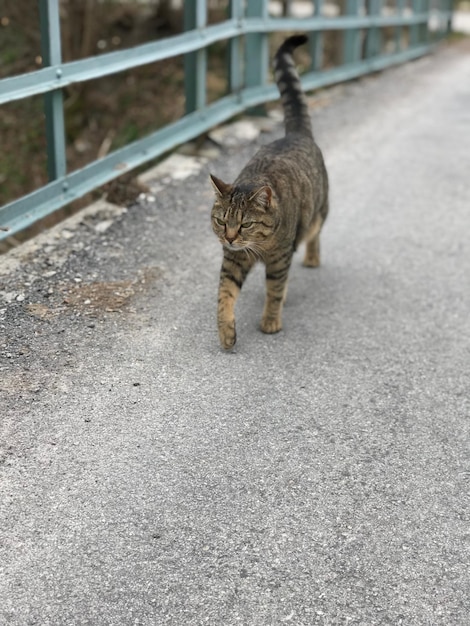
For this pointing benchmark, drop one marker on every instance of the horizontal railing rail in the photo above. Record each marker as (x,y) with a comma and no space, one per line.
(247,79)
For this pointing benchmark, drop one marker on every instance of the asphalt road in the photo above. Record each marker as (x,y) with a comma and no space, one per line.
(317,476)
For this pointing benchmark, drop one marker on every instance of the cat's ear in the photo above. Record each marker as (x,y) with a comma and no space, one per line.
(263,196)
(220,188)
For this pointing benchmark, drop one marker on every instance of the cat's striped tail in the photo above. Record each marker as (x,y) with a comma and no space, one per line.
(296,116)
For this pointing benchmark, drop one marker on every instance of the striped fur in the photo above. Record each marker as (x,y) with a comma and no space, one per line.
(296,116)
(279,199)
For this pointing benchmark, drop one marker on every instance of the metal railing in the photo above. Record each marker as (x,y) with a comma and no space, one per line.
(246,29)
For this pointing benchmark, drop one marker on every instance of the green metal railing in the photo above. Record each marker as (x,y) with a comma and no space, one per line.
(246,28)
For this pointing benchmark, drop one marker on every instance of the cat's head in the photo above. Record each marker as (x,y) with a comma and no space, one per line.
(243,216)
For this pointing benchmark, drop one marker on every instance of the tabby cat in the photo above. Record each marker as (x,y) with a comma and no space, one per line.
(279,199)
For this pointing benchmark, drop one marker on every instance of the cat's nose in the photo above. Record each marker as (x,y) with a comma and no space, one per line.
(230,238)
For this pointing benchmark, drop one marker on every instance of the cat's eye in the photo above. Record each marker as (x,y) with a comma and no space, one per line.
(247,224)
(220,222)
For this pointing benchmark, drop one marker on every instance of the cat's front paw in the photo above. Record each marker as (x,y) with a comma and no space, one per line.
(271,325)
(227,335)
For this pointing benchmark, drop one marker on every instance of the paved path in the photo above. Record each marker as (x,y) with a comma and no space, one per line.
(319,476)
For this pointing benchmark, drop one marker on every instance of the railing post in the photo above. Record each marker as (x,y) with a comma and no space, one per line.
(416,29)
(423,31)
(399,29)
(53,101)
(195,63)
(448,7)
(316,40)
(256,49)
(351,41)
(235,78)
(374,36)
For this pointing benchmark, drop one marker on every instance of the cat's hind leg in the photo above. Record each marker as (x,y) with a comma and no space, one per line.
(312,251)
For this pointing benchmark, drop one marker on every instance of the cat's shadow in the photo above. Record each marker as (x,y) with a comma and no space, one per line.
(321,303)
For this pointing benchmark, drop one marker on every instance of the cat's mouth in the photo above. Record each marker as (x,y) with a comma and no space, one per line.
(232,246)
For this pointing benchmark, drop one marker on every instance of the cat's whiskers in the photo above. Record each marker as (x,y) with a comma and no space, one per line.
(256,249)
(250,253)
